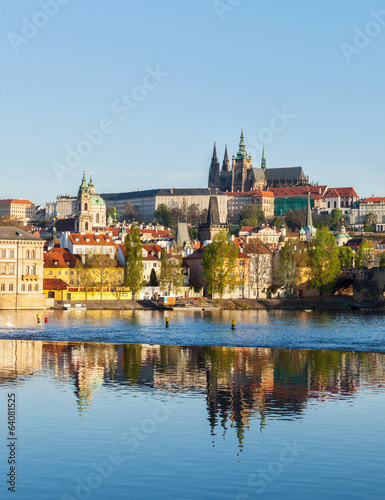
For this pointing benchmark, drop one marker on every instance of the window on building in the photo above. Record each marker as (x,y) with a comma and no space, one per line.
(10,287)
(2,269)
(30,288)
(23,288)
(2,287)
(335,204)
(12,254)
(86,226)
(59,272)
(27,254)
(50,272)
(11,269)
(32,254)
(97,218)
(85,206)
(3,254)
(36,288)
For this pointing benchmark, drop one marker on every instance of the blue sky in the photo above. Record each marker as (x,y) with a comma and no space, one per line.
(191,73)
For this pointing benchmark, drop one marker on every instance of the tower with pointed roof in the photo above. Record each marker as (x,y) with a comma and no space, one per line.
(91,208)
(214,174)
(241,168)
(263,160)
(226,163)
(309,229)
(213,225)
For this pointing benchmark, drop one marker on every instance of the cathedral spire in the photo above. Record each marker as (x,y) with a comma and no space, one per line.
(226,163)
(215,153)
(214,174)
(263,160)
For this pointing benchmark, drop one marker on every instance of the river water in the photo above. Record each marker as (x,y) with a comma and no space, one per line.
(113,405)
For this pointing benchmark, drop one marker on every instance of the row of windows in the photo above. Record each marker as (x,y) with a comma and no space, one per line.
(23,288)
(11,269)
(11,254)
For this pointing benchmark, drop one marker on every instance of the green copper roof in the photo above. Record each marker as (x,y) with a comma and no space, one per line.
(242,148)
(91,184)
(83,186)
(97,200)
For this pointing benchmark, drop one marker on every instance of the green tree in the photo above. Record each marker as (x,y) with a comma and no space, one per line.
(335,218)
(345,255)
(251,215)
(220,264)
(133,269)
(289,269)
(277,222)
(324,261)
(371,220)
(171,277)
(162,215)
(113,212)
(382,259)
(153,278)
(364,256)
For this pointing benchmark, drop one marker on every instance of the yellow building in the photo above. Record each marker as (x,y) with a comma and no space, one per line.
(81,283)
(21,269)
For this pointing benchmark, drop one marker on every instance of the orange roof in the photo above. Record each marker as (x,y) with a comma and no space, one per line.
(62,256)
(345,191)
(290,192)
(54,284)
(266,194)
(91,239)
(332,193)
(374,200)
(13,200)
(246,229)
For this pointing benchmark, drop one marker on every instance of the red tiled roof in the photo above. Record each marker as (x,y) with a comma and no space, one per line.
(332,193)
(345,191)
(62,256)
(290,192)
(246,229)
(91,239)
(13,200)
(54,284)
(266,194)
(252,192)
(374,200)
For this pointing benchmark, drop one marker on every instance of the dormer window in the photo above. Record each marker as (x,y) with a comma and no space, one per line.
(55,262)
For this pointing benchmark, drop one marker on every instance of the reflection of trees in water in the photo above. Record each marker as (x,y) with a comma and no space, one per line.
(241,385)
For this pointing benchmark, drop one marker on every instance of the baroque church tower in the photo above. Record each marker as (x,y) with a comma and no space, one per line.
(91,208)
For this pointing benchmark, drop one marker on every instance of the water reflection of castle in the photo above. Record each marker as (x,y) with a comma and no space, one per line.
(239,384)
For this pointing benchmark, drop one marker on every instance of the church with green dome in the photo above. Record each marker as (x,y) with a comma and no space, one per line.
(91,208)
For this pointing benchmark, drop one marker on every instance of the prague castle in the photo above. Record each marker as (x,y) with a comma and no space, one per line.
(244,177)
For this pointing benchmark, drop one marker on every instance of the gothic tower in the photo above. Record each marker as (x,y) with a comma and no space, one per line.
(263,160)
(226,163)
(240,168)
(214,179)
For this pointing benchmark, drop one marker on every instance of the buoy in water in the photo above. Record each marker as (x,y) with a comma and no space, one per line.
(45,320)
(233,324)
(38,318)
(167,321)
